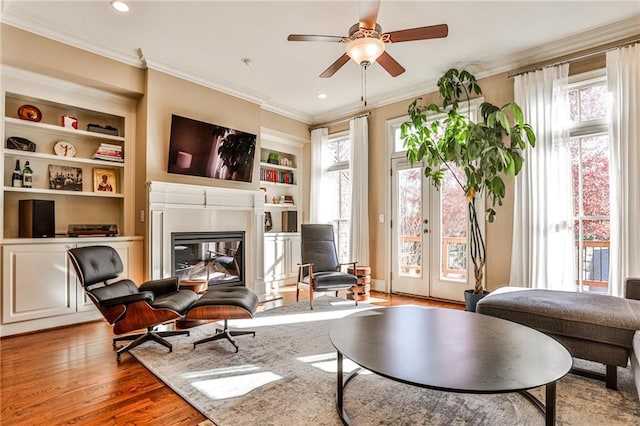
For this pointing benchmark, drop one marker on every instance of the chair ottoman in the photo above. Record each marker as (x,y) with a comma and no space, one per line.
(224,303)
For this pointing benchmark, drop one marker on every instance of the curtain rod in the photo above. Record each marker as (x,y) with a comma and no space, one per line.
(331,123)
(575,57)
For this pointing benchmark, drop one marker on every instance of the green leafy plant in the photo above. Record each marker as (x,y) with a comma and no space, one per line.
(485,150)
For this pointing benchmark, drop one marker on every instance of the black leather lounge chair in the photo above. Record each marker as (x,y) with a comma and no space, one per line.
(125,305)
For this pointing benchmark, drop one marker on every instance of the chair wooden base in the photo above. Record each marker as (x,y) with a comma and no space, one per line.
(225,333)
(305,286)
(150,335)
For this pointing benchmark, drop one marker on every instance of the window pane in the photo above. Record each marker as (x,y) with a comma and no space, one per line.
(410,218)
(593,102)
(573,105)
(453,226)
(345,194)
(574,147)
(595,175)
(338,150)
(595,254)
(331,187)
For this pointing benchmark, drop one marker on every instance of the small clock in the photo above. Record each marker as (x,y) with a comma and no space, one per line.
(64,149)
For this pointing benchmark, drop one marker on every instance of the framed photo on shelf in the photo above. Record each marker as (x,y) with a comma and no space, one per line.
(65,178)
(104,180)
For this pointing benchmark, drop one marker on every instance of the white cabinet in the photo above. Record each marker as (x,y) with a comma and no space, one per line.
(281,258)
(295,255)
(39,285)
(37,282)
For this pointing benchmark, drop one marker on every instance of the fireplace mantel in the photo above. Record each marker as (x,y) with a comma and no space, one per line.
(192,208)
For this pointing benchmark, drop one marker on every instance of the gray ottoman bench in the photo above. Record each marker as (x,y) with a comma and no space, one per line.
(593,327)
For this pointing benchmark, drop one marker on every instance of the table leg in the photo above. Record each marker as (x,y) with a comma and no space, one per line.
(340,389)
(550,404)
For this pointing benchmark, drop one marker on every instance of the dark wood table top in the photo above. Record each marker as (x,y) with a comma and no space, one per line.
(450,350)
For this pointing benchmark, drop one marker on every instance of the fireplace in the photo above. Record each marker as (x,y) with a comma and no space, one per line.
(215,257)
(194,211)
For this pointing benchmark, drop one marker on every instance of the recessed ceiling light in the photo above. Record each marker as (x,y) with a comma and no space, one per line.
(120,6)
(322,96)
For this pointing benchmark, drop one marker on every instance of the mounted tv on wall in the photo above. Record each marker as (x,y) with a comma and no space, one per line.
(202,149)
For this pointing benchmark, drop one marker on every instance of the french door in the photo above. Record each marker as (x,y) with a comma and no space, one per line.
(428,235)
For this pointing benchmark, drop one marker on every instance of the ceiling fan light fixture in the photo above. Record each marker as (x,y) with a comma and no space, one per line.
(365,51)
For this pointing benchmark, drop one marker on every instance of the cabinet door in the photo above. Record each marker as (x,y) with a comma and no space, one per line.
(294,255)
(131,254)
(274,258)
(36,282)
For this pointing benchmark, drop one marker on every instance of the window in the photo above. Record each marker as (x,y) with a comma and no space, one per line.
(589,146)
(337,189)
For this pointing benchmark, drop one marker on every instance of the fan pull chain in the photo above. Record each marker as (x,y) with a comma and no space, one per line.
(363,83)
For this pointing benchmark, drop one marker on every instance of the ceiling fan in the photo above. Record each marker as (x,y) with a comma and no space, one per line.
(365,43)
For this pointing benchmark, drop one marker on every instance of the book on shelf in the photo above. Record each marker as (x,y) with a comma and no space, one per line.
(108,157)
(109,152)
(110,146)
(277,176)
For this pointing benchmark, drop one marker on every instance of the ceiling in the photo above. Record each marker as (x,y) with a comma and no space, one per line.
(206,41)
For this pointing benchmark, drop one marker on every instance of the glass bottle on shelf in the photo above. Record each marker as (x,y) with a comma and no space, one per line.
(27,176)
(16,178)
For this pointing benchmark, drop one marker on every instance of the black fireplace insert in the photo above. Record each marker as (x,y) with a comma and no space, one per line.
(216,257)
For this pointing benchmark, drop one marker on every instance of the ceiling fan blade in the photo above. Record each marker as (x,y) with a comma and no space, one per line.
(311,37)
(421,33)
(369,13)
(335,66)
(390,65)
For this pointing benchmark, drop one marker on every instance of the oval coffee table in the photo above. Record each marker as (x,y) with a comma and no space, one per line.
(451,351)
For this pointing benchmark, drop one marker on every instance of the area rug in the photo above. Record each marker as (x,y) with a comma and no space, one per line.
(286,375)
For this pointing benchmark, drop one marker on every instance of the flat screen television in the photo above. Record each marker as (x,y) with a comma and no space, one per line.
(197,148)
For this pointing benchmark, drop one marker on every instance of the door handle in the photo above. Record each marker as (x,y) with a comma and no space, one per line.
(426,231)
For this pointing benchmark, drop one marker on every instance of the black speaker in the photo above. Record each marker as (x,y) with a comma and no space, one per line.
(36,219)
(289,221)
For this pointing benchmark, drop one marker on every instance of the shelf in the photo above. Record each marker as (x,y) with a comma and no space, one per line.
(61,192)
(14,153)
(281,205)
(277,167)
(288,185)
(64,131)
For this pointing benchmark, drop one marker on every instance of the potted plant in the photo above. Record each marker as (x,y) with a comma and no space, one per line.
(485,150)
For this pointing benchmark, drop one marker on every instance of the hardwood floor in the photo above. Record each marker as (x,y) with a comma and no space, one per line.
(70,375)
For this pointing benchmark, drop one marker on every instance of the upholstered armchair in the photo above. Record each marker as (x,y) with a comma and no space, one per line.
(320,270)
(125,305)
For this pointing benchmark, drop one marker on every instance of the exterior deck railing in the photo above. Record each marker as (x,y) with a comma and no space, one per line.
(594,268)
(595,263)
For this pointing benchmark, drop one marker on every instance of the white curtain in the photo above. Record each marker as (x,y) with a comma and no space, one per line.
(543,241)
(319,137)
(623,77)
(359,162)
